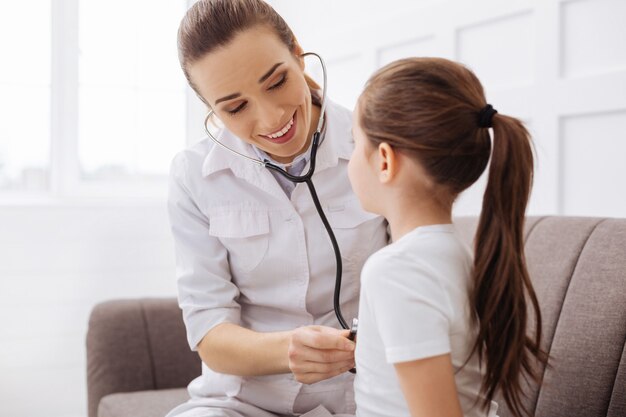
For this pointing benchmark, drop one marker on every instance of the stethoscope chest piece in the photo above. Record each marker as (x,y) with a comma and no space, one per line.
(352,336)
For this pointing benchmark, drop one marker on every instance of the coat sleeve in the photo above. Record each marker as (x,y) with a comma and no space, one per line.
(206,294)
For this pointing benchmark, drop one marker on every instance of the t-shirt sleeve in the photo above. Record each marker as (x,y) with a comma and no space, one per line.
(410,307)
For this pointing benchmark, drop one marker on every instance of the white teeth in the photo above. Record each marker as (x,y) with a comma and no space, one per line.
(282,131)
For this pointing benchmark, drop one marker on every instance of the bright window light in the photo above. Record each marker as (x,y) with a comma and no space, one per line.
(131,89)
(25,95)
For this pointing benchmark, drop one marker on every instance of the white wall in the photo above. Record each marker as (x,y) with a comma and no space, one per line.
(560,65)
(56,262)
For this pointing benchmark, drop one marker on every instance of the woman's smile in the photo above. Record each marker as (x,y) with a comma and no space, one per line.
(258,88)
(284,134)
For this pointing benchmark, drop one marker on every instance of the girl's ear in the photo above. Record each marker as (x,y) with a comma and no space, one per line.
(387,163)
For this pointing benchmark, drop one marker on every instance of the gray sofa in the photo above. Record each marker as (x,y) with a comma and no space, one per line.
(138,362)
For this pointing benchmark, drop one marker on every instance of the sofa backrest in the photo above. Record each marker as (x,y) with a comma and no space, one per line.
(578,269)
(137,345)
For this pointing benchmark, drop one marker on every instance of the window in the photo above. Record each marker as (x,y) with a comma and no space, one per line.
(131,88)
(25,95)
(95,98)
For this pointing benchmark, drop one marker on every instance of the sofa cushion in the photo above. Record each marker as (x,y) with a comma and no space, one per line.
(137,345)
(155,403)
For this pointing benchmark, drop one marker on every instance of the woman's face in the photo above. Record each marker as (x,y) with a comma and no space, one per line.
(256,87)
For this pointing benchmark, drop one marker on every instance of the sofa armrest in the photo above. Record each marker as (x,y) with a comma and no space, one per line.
(137,345)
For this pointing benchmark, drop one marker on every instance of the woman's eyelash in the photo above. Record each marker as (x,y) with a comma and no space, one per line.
(238,108)
(279,83)
(273,87)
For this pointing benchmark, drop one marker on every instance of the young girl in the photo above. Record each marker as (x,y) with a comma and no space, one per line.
(441,330)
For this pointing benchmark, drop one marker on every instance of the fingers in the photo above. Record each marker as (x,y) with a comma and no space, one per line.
(319,337)
(322,368)
(313,377)
(317,353)
(307,354)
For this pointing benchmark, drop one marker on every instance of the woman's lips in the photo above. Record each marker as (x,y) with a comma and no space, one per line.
(288,135)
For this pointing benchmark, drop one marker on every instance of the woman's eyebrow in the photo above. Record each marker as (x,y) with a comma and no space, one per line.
(270,72)
(228,97)
(263,78)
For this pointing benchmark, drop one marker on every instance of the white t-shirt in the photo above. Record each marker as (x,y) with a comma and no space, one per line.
(414,305)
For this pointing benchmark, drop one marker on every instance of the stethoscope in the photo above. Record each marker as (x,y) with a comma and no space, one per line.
(307,179)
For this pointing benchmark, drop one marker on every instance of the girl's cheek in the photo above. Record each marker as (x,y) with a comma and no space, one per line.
(351,174)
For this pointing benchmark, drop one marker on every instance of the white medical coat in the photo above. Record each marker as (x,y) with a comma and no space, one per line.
(250,255)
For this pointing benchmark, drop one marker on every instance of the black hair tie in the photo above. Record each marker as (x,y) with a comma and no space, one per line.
(485,116)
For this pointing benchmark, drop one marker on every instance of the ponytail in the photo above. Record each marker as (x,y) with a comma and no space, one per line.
(500,279)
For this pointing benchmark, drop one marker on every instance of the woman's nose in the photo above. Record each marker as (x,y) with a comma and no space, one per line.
(271,117)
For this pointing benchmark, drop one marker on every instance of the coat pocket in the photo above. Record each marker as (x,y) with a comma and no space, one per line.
(244,233)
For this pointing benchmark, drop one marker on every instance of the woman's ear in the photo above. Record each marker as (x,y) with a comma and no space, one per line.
(387,163)
(298,51)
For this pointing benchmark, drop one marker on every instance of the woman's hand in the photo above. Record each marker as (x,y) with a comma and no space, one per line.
(317,353)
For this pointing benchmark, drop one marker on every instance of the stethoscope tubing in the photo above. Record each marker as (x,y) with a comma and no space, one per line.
(308,180)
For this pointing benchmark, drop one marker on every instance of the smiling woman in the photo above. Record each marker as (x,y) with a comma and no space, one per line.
(255,270)
(263,97)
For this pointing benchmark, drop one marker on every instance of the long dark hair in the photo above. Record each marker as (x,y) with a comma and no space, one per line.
(430,108)
(209,24)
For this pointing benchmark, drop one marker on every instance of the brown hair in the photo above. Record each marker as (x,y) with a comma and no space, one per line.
(210,24)
(430,109)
